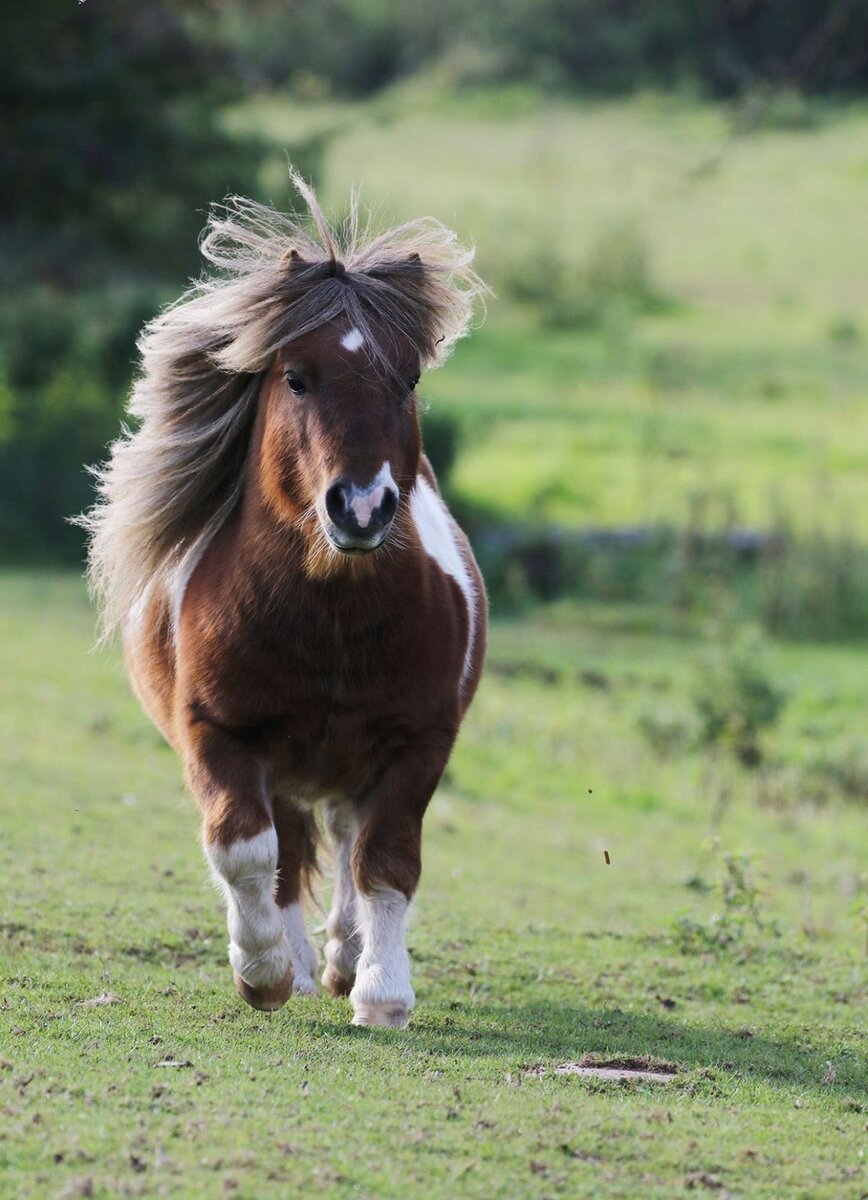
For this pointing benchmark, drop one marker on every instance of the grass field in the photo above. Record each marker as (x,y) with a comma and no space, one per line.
(529,951)
(726,938)
(746,387)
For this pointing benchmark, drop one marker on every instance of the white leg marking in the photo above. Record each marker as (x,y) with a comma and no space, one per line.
(245,871)
(365,500)
(354,340)
(382,988)
(302,954)
(344,945)
(435,527)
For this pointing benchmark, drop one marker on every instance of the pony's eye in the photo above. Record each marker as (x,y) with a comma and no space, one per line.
(296,383)
(413,382)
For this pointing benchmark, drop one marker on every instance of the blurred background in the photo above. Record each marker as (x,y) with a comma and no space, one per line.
(667,401)
(660,429)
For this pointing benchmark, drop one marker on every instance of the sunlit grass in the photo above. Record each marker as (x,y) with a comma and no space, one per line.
(528,949)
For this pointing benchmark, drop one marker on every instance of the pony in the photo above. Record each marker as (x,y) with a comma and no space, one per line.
(301,616)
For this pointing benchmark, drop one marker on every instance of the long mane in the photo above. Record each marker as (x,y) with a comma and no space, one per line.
(176,476)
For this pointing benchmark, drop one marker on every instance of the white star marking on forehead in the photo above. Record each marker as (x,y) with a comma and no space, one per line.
(353,340)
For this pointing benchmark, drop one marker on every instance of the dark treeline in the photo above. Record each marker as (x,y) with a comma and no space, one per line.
(721,46)
(112,148)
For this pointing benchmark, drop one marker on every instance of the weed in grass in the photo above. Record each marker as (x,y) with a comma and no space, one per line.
(740,925)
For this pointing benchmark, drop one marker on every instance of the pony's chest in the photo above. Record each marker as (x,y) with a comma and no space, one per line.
(329,677)
(340,719)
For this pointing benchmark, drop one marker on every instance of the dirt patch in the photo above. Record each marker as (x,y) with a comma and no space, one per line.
(619,1070)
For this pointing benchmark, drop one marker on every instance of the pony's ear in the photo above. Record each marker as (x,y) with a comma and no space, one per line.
(414,260)
(292,259)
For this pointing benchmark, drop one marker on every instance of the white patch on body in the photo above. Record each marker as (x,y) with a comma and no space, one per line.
(301,952)
(183,573)
(437,532)
(383,970)
(366,500)
(344,946)
(245,872)
(138,608)
(354,340)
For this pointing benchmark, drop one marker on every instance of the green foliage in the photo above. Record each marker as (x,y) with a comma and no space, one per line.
(111,144)
(596,46)
(816,586)
(613,283)
(665,729)
(735,700)
(739,925)
(111,150)
(839,771)
(349,47)
(442,434)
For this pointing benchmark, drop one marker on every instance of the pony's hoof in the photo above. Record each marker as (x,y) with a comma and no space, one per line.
(266,999)
(384,1012)
(335,983)
(303,985)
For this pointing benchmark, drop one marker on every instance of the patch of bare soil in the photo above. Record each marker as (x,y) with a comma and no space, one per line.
(620,1070)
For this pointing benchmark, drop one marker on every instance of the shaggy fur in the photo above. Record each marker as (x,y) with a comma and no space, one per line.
(174,478)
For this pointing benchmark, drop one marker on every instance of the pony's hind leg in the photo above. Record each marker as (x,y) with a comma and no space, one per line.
(296,834)
(241,845)
(344,945)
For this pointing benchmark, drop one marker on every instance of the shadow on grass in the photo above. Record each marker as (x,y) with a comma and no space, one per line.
(548,1034)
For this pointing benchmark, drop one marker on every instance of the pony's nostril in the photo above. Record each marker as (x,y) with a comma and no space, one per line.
(336,502)
(388,506)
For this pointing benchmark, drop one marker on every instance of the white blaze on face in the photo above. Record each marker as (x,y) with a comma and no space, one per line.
(366,500)
(437,532)
(353,340)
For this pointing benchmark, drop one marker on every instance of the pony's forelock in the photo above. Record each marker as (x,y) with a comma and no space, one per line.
(176,477)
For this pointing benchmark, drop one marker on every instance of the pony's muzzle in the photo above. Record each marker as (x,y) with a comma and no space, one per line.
(359,518)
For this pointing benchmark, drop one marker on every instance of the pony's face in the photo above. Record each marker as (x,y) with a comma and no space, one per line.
(341,436)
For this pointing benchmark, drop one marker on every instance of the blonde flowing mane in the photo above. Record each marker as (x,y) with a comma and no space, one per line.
(172,480)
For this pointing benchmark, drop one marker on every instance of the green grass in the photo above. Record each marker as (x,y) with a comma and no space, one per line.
(528,950)
(748,388)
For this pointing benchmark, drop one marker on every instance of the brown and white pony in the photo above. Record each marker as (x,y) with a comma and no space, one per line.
(302,618)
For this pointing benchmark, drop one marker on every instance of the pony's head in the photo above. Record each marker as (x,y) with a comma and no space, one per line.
(305,344)
(339,441)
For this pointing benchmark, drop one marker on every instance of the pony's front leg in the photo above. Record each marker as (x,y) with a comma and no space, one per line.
(386,863)
(241,846)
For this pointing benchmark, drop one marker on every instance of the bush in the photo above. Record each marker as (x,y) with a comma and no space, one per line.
(736,701)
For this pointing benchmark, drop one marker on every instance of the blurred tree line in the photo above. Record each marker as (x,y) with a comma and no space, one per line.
(112,147)
(723,46)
